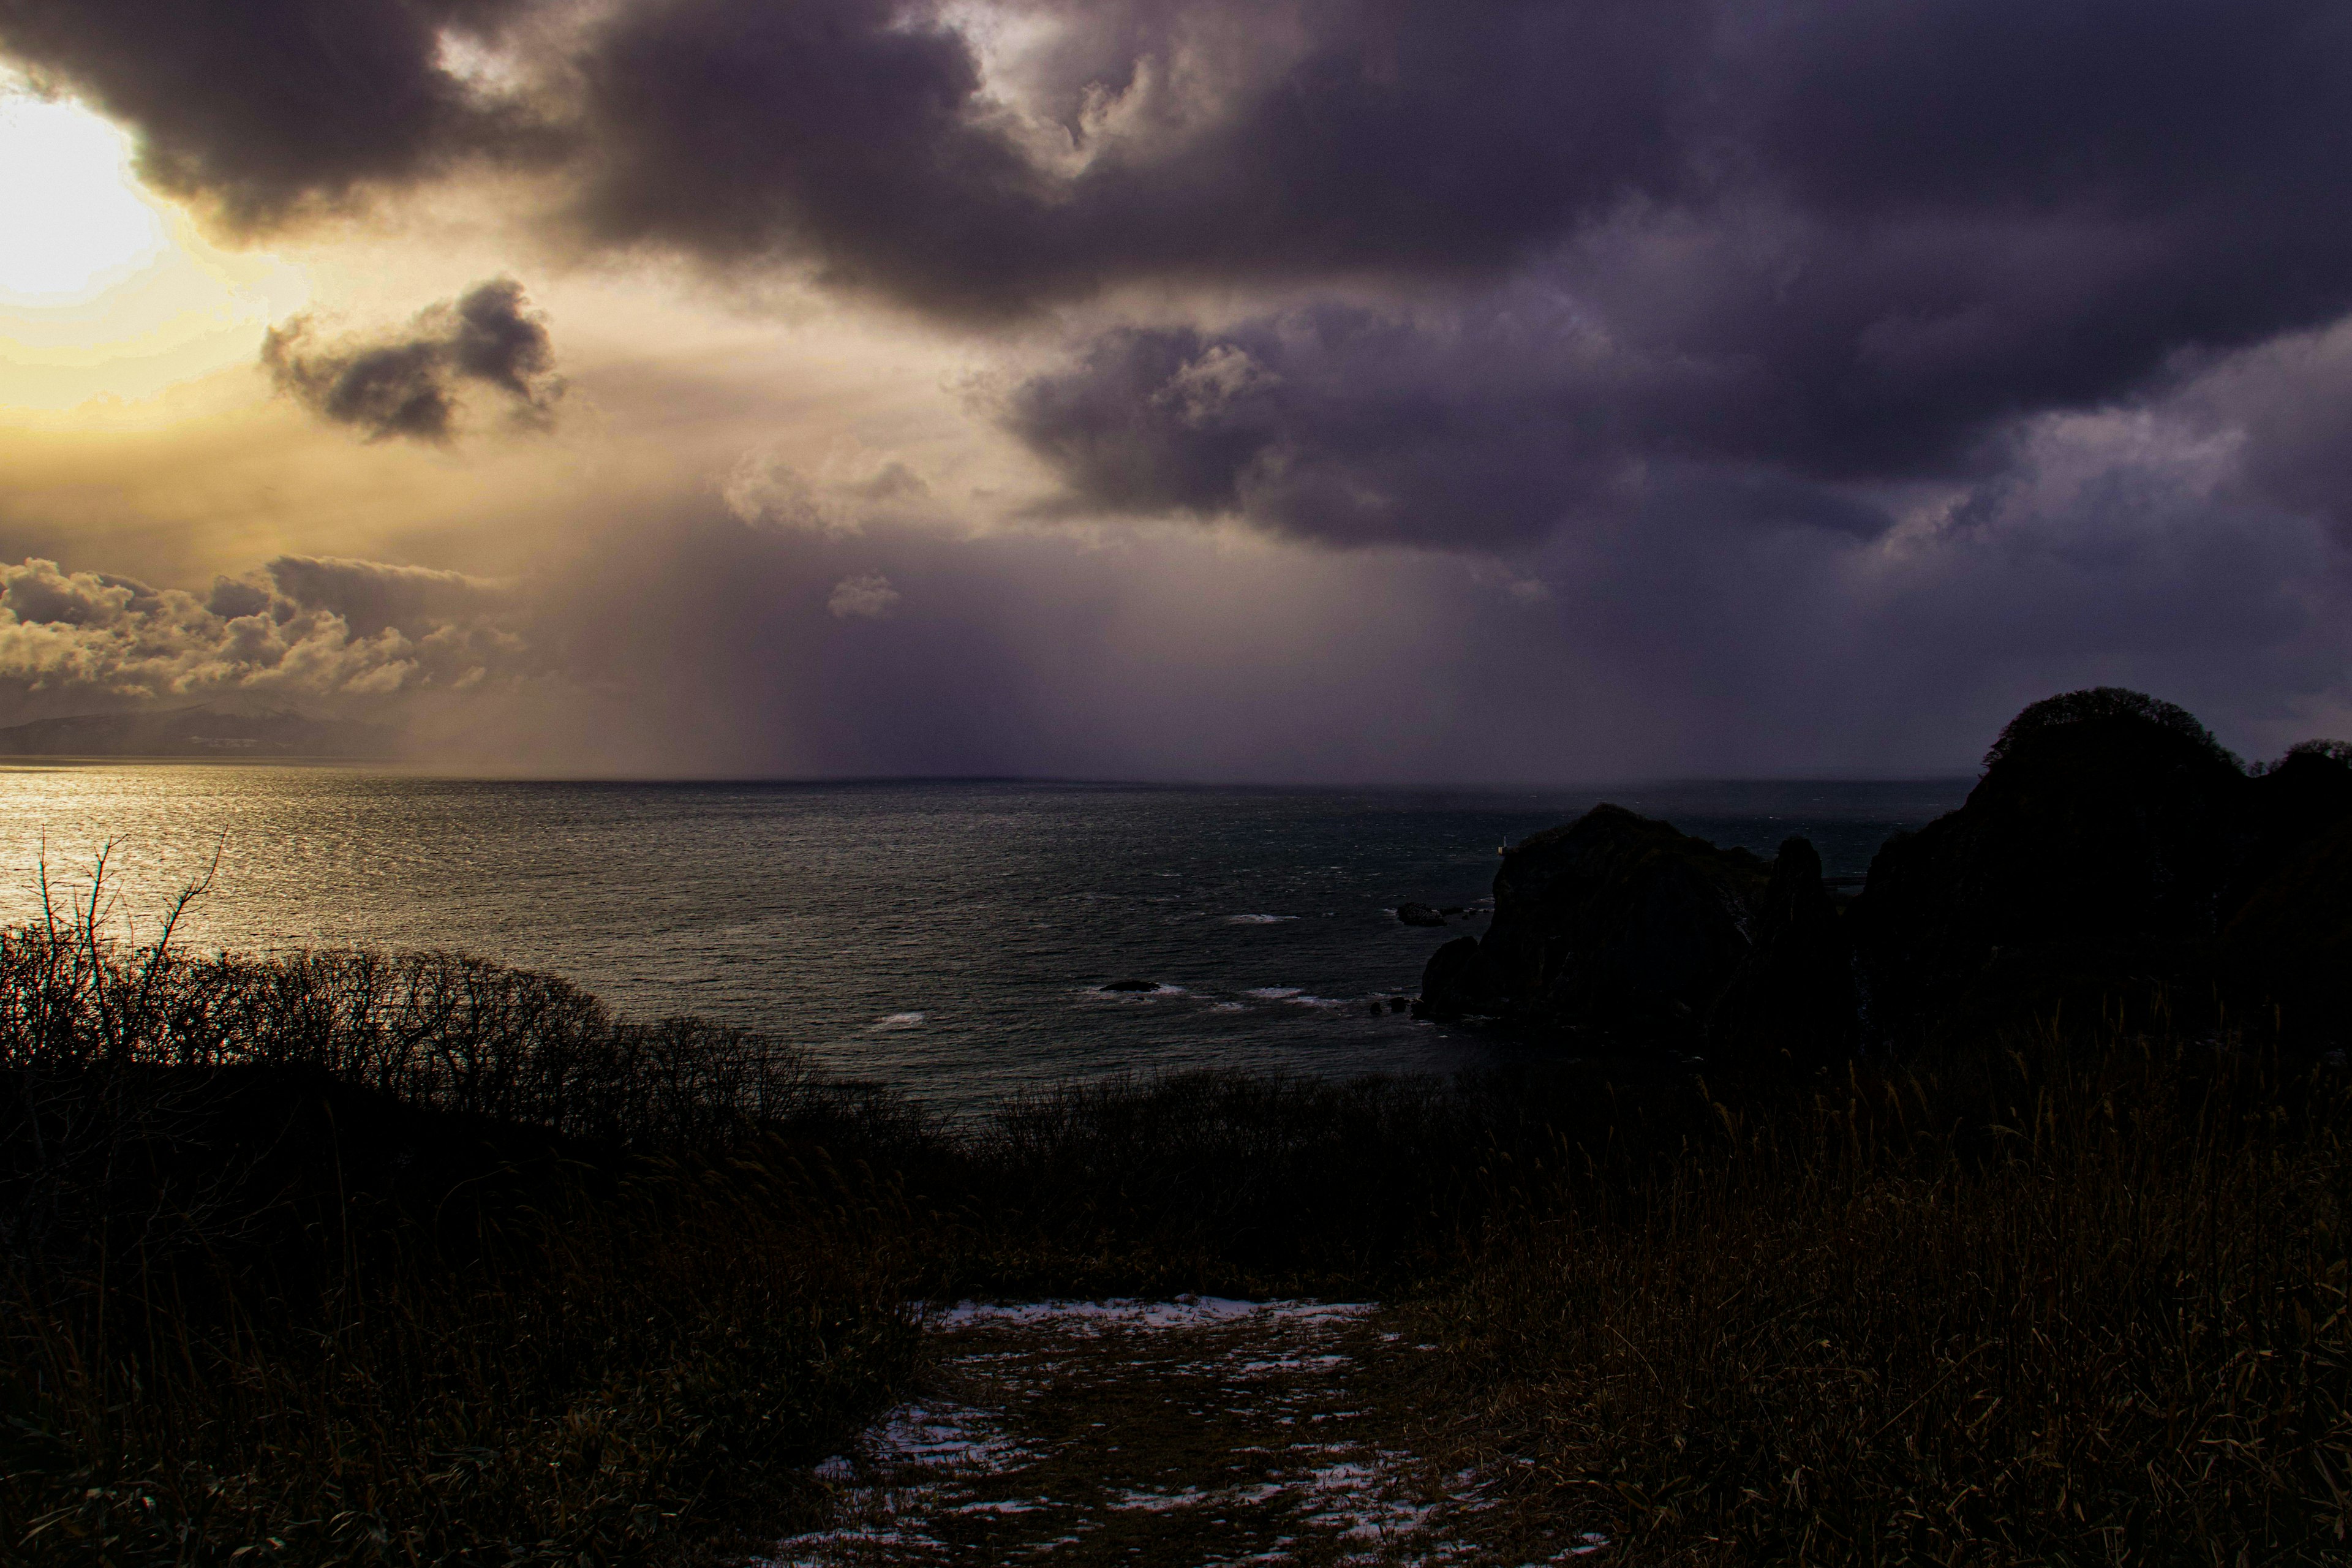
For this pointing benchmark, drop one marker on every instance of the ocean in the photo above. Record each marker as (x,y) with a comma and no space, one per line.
(954,939)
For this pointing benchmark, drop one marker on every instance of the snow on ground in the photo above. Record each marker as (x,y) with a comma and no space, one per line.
(1200,1430)
(1183,1312)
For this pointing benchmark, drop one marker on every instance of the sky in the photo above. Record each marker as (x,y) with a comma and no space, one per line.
(1291,390)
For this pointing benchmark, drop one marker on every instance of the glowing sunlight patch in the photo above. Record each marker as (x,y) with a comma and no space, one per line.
(74,222)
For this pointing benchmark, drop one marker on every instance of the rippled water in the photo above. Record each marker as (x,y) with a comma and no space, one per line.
(949,937)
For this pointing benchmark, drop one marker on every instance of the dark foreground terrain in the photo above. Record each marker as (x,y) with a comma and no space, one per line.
(2079,1297)
(342,1258)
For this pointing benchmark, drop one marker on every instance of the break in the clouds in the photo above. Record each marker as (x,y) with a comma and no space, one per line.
(413,385)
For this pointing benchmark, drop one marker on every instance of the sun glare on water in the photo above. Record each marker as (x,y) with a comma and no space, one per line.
(72,223)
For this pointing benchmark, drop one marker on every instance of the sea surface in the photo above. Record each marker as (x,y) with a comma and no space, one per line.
(951,938)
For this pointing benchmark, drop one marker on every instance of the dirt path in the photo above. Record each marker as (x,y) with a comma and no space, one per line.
(1188,1432)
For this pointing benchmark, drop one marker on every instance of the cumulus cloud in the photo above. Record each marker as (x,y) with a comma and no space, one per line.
(369,596)
(867,596)
(321,631)
(412,386)
(851,487)
(762,488)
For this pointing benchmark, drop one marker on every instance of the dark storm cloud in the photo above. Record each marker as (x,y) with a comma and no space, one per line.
(1781,253)
(1334,424)
(1801,250)
(265,105)
(412,386)
(1413,138)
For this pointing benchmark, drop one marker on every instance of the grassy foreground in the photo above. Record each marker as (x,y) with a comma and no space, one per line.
(2059,1303)
(556,1287)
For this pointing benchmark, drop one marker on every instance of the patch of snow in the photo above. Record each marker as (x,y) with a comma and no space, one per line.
(1127,1312)
(1159,1502)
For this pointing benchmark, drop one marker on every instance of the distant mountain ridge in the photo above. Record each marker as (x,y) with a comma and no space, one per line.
(205,730)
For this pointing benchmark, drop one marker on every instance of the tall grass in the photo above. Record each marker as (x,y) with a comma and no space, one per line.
(2068,1302)
(621,1380)
(437,1030)
(2079,1298)
(608,1317)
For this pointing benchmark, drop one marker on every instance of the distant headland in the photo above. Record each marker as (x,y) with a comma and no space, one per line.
(213,729)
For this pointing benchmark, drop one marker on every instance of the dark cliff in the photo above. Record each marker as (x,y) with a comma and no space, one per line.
(1616,925)
(2112,850)
(2108,848)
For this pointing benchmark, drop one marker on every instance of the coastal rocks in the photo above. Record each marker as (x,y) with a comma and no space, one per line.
(2289,805)
(2290,946)
(1615,924)
(2113,854)
(2109,843)
(1461,981)
(1134,986)
(1420,915)
(1792,996)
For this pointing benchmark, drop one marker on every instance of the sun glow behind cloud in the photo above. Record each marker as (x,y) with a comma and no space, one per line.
(105,289)
(76,223)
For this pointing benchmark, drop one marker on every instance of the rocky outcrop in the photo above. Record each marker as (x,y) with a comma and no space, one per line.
(2288,949)
(2287,808)
(1461,981)
(1792,998)
(2098,841)
(2111,850)
(2107,847)
(1616,926)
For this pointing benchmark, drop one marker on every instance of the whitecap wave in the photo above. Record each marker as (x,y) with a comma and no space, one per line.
(897,1021)
(1257,920)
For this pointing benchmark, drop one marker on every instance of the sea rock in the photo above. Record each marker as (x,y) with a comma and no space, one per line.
(2288,806)
(1131,985)
(2288,952)
(1616,925)
(1420,915)
(2113,854)
(1793,996)
(2108,845)
(1461,981)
